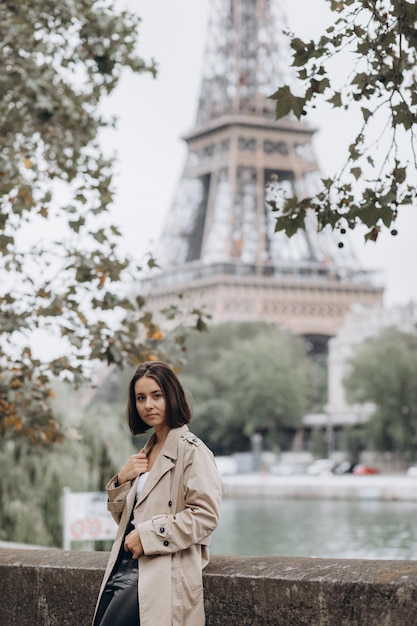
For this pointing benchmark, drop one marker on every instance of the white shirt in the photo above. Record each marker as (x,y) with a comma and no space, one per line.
(139,487)
(140,483)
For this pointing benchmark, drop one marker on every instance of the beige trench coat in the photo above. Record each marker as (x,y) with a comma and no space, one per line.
(175,514)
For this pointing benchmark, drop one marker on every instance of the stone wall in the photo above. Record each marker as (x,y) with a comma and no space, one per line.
(56,588)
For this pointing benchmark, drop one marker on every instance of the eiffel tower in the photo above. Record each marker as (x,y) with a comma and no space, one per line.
(218,247)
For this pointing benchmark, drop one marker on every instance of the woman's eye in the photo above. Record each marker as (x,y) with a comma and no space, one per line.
(158,395)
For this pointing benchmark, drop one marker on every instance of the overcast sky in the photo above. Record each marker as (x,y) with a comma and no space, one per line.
(154,114)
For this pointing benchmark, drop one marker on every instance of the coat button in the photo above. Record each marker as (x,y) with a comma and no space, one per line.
(162,529)
(166,543)
(170,503)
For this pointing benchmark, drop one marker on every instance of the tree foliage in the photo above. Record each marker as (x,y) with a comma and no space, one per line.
(247,378)
(64,284)
(32,478)
(384,373)
(379,39)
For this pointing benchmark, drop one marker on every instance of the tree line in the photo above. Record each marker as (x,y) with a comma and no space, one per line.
(242,379)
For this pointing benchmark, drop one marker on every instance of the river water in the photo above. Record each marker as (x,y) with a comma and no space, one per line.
(317,528)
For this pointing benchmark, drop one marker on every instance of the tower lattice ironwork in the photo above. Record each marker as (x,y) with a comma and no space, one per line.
(218,245)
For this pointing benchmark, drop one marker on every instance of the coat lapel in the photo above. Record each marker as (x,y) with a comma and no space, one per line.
(164,462)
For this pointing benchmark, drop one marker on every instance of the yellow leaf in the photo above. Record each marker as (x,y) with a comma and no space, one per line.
(102,278)
(27,163)
(81,317)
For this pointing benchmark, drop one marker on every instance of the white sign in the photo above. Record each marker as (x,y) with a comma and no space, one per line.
(86,517)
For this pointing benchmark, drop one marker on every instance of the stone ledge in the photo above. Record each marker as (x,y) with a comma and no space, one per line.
(57,588)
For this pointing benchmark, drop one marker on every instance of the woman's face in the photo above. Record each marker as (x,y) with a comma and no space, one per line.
(150,403)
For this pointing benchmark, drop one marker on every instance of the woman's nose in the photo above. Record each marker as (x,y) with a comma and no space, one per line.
(148,401)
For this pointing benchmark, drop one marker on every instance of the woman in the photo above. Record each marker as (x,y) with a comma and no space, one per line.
(166,501)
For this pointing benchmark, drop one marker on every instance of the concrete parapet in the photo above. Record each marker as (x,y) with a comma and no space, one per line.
(57,588)
(49,587)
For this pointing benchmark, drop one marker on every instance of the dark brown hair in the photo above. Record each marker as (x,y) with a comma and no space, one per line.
(178,410)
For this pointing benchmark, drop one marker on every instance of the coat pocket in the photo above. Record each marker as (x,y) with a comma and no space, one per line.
(190,571)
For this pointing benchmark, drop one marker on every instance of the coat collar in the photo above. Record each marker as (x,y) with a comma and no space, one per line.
(170,448)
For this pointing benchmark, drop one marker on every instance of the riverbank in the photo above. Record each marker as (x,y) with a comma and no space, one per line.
(332,487)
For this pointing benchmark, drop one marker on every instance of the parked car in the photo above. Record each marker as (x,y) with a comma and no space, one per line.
(321,467)
(283,468)
(362,470)
(345,467)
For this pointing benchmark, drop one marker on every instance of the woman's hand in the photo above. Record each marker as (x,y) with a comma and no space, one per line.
(133,544)
(135,465)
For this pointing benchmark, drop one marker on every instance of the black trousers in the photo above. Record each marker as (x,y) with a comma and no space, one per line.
(119,604)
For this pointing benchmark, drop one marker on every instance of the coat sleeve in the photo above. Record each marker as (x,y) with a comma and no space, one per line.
(116,497)
(164,534)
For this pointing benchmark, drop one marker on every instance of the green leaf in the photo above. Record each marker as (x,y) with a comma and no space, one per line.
(327,182)
(368,214)
(366,113)
(77,224)
(5,242)
(319,86)
(362,80)
(151,263)
(336,99)
(386,214)
(290,224)
(353,151)
(99,236)
(287,103)
(298,45)
(402,115)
